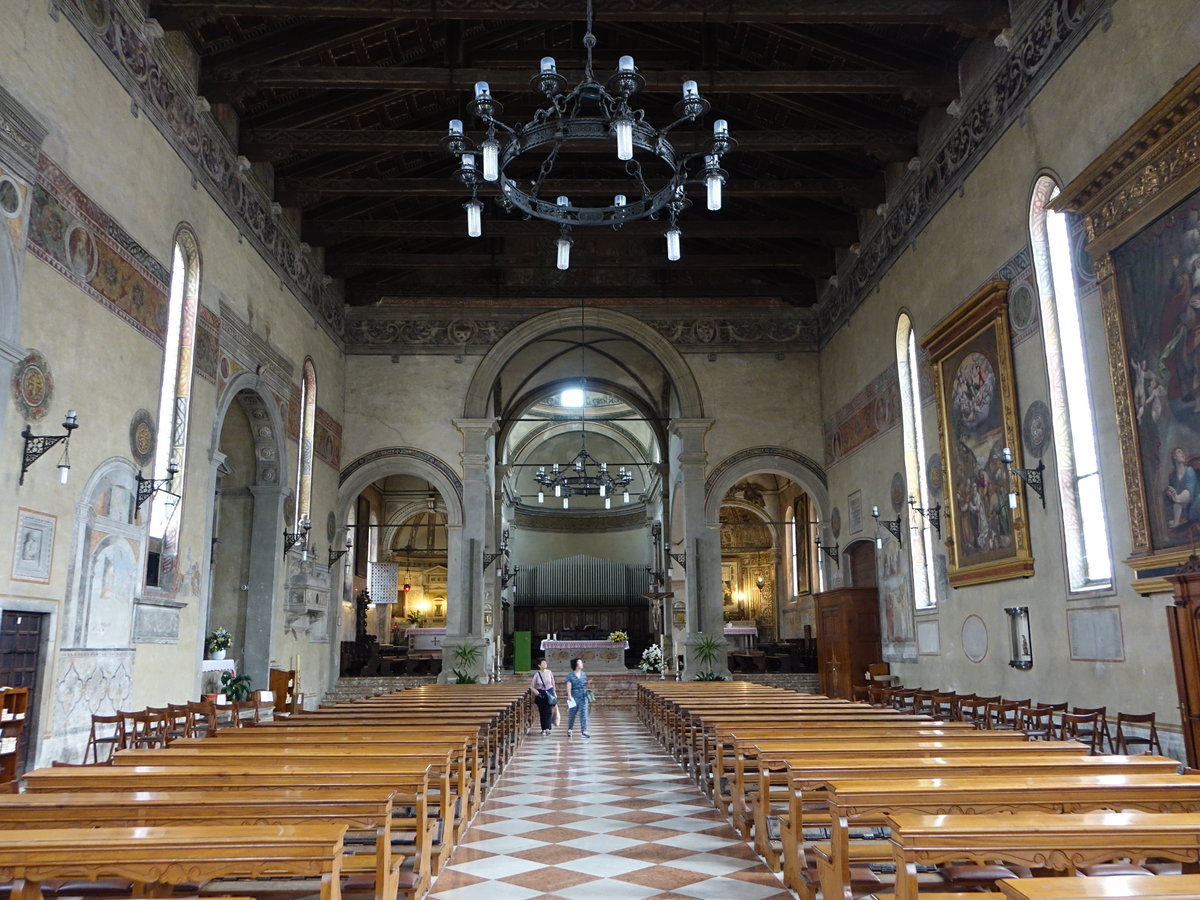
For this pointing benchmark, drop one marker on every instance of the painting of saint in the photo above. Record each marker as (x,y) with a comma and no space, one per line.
(1159,288)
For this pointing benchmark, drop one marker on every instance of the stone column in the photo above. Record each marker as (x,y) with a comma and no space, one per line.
(266,555)
(702,545)
(464,616)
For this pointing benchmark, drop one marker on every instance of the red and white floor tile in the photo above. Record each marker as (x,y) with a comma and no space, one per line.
(610,818)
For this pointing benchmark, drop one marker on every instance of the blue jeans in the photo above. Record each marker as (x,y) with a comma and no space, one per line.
(580,708)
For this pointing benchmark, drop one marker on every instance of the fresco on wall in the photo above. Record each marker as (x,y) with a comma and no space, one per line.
(68,231)
(1159,275)
(898,631)
(208,344)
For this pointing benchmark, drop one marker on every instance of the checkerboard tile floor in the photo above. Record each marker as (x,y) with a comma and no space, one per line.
(610,818)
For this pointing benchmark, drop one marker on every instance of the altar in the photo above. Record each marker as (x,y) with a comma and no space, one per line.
(597,656)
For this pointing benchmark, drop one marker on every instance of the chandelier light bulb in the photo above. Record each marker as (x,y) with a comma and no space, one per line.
(624,130)
(564,254)
(558,490)
(673,244)
(625,64)
(603,491)
(626,500)
(620,200)
(491,160)
(720,128)
(549,67)
(713,181)
(608,502)
(64,471)
(566,502)
(541,497)
(691,91)
(482,91)
(468,162)
(474,218)
(456,128)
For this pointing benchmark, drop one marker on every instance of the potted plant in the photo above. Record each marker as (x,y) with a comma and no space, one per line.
(465,655)
(706,650)
(415,619)
(618,637)
(235,687)
(217,643)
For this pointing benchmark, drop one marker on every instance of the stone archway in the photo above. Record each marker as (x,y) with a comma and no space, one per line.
(260,543)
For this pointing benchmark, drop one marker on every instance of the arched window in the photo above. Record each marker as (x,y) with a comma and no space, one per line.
(920,545)
(174,395)
(1085,526)
(793,554)
(308,426)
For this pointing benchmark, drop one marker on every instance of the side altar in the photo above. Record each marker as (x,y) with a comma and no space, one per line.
(597,656)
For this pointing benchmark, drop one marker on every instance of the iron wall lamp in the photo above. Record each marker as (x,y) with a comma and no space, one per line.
(335,555)
(833,553)
(932,514)
(146,487)
(1032,477)
(292,538)
(892,525)
(37,445)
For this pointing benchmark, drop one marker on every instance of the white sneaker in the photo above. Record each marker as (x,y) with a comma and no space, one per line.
(568,734)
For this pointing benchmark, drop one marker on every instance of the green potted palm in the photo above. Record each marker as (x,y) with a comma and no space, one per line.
(466,657)
(706,650)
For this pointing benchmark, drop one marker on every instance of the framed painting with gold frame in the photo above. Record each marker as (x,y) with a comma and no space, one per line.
(1140,201)
(971,355)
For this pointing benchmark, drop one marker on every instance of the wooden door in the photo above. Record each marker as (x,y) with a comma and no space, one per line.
(832,641)
(20,660)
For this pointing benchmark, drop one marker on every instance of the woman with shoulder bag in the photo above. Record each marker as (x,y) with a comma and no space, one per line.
(546,700)
(578,696)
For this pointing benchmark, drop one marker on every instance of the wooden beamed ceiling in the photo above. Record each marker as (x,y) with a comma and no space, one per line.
(341,106)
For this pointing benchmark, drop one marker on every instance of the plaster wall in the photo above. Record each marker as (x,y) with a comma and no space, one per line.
(1106,84)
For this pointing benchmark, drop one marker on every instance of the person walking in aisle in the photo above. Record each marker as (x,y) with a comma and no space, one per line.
(578,697)
(543,684)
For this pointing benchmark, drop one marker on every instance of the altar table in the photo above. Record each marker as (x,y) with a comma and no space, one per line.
(597,656)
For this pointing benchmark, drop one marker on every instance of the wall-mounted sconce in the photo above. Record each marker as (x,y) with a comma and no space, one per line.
(1032,477)
(833,553)
(1022,646)
(932,514)
(892,525)
(335,555)
(146,487)
(37,445)
(292,538)
(505,575)
(502,550)
(680,558)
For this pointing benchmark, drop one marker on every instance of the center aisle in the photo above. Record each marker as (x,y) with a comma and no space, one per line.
(610,818)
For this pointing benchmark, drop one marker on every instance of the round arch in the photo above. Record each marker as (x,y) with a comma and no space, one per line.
(797,467)
(380,464)
(477,405)
(270,454)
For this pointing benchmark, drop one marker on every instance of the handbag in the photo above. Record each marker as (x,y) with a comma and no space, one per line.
(546,696)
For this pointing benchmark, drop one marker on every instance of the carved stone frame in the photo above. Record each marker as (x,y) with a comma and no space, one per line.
(980,325)
(1144,174)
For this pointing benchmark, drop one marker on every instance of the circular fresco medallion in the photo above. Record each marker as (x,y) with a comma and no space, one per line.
(1037,429)
(82,255)
(10,197)
(330,526)
(835,521)
(973,391)
(897,493)
(96,12)
(974,639)
(142,437)
(32,385)
(933,474)
(1021,306)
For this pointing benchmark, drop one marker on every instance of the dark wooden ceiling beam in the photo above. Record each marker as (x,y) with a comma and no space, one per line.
(226,85)
(969,16)
(278,143)
(302,38)
(290,191)
(835,229)
(415,286)
(339,264)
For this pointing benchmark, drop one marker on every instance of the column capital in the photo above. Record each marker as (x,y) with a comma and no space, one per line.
(690,429)
(480,429)
(268,490)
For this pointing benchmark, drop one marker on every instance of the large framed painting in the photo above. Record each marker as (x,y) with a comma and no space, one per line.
(971,355)
(1141,207)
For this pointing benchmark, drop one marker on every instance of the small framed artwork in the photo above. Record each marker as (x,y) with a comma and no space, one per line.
(971,353)
(854,512)
(33,551)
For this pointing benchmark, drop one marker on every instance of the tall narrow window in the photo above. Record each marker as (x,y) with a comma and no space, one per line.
(1085,526)
(921,541)
(174,394)
(308,426)
(793,545)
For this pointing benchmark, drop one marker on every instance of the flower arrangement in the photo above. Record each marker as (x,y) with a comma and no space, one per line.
(652,660)
(218,640)
(618,637)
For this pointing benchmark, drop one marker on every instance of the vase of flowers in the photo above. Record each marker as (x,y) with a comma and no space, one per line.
(217,643)
(652,660)
(618,637)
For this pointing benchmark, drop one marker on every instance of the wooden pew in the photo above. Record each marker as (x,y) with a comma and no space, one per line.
(869,801)
(1127,887)
(366,813)
(1038,840)
(172,855)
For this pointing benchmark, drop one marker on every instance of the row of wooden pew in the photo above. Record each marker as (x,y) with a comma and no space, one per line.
(838,794)
(363,797)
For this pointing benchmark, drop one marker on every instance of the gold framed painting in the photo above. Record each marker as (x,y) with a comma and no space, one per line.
(971,356)
(1140,201)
